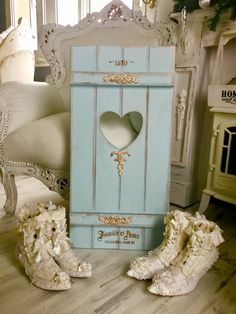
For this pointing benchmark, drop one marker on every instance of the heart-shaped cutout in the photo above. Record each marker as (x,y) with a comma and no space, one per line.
(120,131)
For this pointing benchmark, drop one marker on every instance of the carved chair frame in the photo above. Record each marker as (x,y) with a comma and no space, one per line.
(52,39)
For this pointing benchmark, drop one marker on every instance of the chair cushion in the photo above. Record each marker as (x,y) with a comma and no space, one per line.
(17,47)
(45,141)
(27,102)
(18,67)
(4,34)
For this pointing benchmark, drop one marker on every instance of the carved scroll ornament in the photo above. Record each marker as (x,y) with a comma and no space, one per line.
(120,160)
(120,78)
(180,113)
(55,180)
(115,220)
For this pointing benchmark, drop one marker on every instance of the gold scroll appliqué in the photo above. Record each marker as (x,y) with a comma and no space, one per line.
(120,78)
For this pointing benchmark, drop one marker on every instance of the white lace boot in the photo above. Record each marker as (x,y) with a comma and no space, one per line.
(34,250)
(175,238)
(192,263)
(63,253)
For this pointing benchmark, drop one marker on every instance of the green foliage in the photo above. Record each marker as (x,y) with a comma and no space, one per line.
(220,6)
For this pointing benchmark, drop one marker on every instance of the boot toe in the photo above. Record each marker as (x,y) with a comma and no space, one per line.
(140,274)
(60,281)
(130,273)
(153,289)
(160,289)
(80,274)
(145,267)
(82,270)
(137,274)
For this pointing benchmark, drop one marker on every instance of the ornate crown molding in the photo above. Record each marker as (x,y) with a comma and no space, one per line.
(180,113)
(115,15)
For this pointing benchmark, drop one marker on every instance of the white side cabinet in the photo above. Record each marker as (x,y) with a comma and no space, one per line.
(190,104)
(186,111)
(221,179)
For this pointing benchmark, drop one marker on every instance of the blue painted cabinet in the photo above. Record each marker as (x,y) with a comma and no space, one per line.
(121,100)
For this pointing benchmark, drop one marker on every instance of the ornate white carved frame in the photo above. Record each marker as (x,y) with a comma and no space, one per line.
(113,16)
(183,115)
(51,37)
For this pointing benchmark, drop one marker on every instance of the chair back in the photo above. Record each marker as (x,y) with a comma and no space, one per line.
(17,61)
(115,24)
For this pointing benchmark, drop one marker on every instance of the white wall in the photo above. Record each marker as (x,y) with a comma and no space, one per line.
(161,12)
(164,8)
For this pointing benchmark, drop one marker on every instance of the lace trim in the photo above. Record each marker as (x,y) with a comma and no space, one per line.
(4,123)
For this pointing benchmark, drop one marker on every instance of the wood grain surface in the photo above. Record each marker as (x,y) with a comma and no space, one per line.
(110,290)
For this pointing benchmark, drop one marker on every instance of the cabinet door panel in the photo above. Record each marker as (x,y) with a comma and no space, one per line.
(182,115)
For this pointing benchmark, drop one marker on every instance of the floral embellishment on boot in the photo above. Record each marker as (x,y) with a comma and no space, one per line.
(175,237)
(44,250)
(193,261)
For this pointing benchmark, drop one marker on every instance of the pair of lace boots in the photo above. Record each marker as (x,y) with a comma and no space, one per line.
(44,250)
(188,250)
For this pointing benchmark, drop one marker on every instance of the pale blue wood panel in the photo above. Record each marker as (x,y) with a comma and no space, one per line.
(162,59)
(119,238)
(107,180)
(139,79)
(103,237)
(84,58)
(137,58)
(80,236)
(108,193)
(82,138)
(158,150)
(153,236)
(137,220)
(107,57)
(133,177)
(132,239)
(106,237)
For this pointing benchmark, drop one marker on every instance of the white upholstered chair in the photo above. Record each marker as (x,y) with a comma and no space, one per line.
(35,141)
(17,53)
(27,143)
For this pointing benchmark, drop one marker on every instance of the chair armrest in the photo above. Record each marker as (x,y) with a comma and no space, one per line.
(21,103)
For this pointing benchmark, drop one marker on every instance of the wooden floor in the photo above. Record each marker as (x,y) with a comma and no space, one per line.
(110,290)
